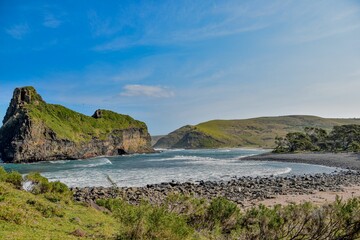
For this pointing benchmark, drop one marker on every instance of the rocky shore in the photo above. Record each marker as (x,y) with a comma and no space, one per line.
(238,190)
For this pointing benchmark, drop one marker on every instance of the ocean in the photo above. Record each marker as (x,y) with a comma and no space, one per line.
(177,164)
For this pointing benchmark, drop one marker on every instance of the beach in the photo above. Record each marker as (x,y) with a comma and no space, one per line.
(245,191)
(340,160)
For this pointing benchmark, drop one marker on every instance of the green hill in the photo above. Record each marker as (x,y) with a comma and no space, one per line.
(254,132)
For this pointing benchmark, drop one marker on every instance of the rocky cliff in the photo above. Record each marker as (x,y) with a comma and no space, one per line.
(34,130)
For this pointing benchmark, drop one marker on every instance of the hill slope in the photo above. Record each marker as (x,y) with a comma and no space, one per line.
(34,130)
(254,132)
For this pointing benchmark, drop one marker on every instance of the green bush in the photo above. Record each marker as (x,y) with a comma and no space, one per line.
(222,213)
(53,191)
(3,174)
(146,221)
(181,217)
(14,178)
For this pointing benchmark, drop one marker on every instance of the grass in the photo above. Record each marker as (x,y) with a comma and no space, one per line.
(35,215)
(26,215)
(70,125)
(255,132)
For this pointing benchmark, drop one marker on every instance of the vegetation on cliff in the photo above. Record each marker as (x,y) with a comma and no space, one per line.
(255,132)
(344,138)
(70,125)
(47,211)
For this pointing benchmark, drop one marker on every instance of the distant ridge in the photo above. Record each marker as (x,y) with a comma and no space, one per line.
(255,132)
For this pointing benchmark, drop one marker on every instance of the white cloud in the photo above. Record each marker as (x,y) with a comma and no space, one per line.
(51,21)
(18,31)
(147,91)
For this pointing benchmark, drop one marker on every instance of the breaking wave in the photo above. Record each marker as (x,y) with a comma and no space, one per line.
(59,161)
(98,162)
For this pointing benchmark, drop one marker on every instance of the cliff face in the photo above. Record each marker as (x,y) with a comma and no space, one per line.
(36,131)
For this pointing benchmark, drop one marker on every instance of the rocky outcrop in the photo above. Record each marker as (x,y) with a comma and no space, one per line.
(36,131)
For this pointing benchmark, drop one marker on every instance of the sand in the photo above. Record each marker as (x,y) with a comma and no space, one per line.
(318,198)
(341,160)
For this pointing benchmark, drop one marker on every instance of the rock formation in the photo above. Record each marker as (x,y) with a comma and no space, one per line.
(36,131)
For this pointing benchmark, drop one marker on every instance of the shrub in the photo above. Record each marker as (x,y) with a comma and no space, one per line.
(3,174)
(146,221)
(222,213)
(14,178)
(53,191)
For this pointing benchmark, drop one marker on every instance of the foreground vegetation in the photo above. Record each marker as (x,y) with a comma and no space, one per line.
(345,138)
(255,132)
(48,212)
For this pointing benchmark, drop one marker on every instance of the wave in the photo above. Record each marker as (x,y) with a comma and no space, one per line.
(223,150)
(169,149)
(247,155)
(209,161)
(183,157)
(59,161)
(284,171)
(99,162)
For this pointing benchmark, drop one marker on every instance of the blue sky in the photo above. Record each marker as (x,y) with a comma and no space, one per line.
(171,63)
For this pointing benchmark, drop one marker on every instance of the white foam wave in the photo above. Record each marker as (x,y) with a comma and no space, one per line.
(99,162)
(223,150)
(283,171)
(183,157)
(169,149)
(248,155)
(59,161)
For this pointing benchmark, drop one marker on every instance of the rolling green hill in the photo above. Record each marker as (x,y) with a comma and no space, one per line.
(254,132)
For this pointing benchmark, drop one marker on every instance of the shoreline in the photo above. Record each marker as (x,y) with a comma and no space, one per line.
(317,188)
(245,191)
(349,161)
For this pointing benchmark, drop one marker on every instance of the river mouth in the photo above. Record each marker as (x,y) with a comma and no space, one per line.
(178,164)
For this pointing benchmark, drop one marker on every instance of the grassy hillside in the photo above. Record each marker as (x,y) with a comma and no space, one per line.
(255,132)
(74,126)
(47,213)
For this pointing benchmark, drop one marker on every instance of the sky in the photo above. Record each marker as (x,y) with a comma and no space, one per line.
(172,63)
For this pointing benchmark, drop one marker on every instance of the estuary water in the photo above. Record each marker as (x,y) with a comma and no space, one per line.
(165,166)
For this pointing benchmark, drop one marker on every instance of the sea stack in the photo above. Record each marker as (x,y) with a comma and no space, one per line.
(34,130)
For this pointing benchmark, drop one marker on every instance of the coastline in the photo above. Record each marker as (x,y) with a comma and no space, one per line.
(245,191)
(349,161)
(251,191)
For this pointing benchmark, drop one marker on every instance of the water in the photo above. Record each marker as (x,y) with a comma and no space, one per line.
(179,165)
